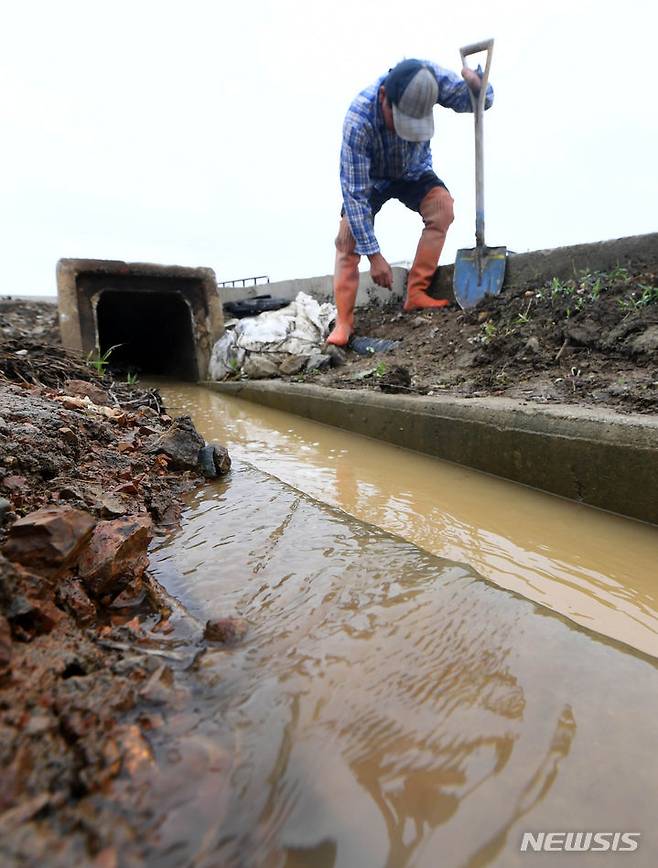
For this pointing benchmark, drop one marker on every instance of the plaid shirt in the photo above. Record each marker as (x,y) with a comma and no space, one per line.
(372,156)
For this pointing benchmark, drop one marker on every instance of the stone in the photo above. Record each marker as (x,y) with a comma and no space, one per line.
(5,646)
(398,379)
(5,506)
(111,506)
(49,539)
(73,597)
(181,444)
(136,753)
(258,366)
(532,344)
(647,342)
(585,334)
(68,436)
(14,483)
(115,555)
(214,460)
(30,617)
(132,595)
(222,459)
(83,389)
(318,362)
(227,631)
(293,365)
(337,355)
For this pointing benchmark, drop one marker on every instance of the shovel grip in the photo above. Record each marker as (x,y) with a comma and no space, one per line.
(476,48)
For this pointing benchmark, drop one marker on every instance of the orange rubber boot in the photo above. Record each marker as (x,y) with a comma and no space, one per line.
(346,285)
(436,211)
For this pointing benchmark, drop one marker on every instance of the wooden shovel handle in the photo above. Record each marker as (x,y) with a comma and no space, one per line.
(477,102)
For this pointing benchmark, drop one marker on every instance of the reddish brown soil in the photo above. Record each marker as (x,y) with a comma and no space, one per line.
(90,662)
(593,342)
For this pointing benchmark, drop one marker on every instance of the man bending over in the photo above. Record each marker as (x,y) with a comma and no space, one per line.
(386,155)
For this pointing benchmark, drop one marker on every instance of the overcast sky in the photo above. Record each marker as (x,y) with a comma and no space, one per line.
(208,133)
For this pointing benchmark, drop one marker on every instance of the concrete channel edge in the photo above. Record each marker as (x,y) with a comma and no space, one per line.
(596,457)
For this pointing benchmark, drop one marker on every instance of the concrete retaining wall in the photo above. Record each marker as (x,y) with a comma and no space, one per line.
(592,456)
(531,270)
(321,288)
(523,270)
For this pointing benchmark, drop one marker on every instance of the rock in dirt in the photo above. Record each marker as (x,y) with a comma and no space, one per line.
(227,631)
(49,539)
(647,342)
(258,366)
(73,597)
(116,554)
(337,355)
(181,444)
(5,646)
(397,379)
(5,506)
(84,389)
(318,362)
(293,364)
(585,334)
(25,603)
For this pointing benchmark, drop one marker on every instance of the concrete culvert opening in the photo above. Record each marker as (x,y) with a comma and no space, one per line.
(152,333)
(165,319)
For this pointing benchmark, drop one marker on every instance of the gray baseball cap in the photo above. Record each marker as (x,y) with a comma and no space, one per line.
(412,90)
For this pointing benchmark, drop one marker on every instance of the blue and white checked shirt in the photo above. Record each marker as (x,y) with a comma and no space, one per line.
(372,156)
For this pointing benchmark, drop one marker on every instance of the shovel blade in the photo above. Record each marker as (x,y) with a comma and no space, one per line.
(479,271)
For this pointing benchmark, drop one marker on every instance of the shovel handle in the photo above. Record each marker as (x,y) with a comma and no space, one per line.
(475,48)
(477,102)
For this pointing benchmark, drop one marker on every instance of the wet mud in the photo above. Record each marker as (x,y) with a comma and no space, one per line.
(92,648)
(592,340)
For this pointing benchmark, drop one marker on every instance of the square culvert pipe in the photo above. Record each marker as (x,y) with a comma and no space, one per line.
(162,319)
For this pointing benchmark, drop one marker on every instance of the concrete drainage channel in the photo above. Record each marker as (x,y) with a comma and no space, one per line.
(165,321)
(594,457)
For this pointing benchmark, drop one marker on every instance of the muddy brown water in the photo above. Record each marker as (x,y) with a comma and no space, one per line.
(598,569)
(390,707)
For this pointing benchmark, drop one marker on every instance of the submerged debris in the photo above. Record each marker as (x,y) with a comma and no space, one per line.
(227,631)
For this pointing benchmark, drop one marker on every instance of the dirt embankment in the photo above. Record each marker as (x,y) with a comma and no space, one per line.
(591,340)
(89,472)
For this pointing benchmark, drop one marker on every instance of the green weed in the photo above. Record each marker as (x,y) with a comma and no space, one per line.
(558,288)
(619,274)
(633,301)
(524,317)
(132,378)
(100,362)
(488,332)
(380,369)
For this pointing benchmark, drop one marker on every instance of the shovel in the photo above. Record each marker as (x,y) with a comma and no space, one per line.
(479,271)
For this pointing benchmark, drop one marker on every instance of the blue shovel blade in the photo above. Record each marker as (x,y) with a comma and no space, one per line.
(478,272)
